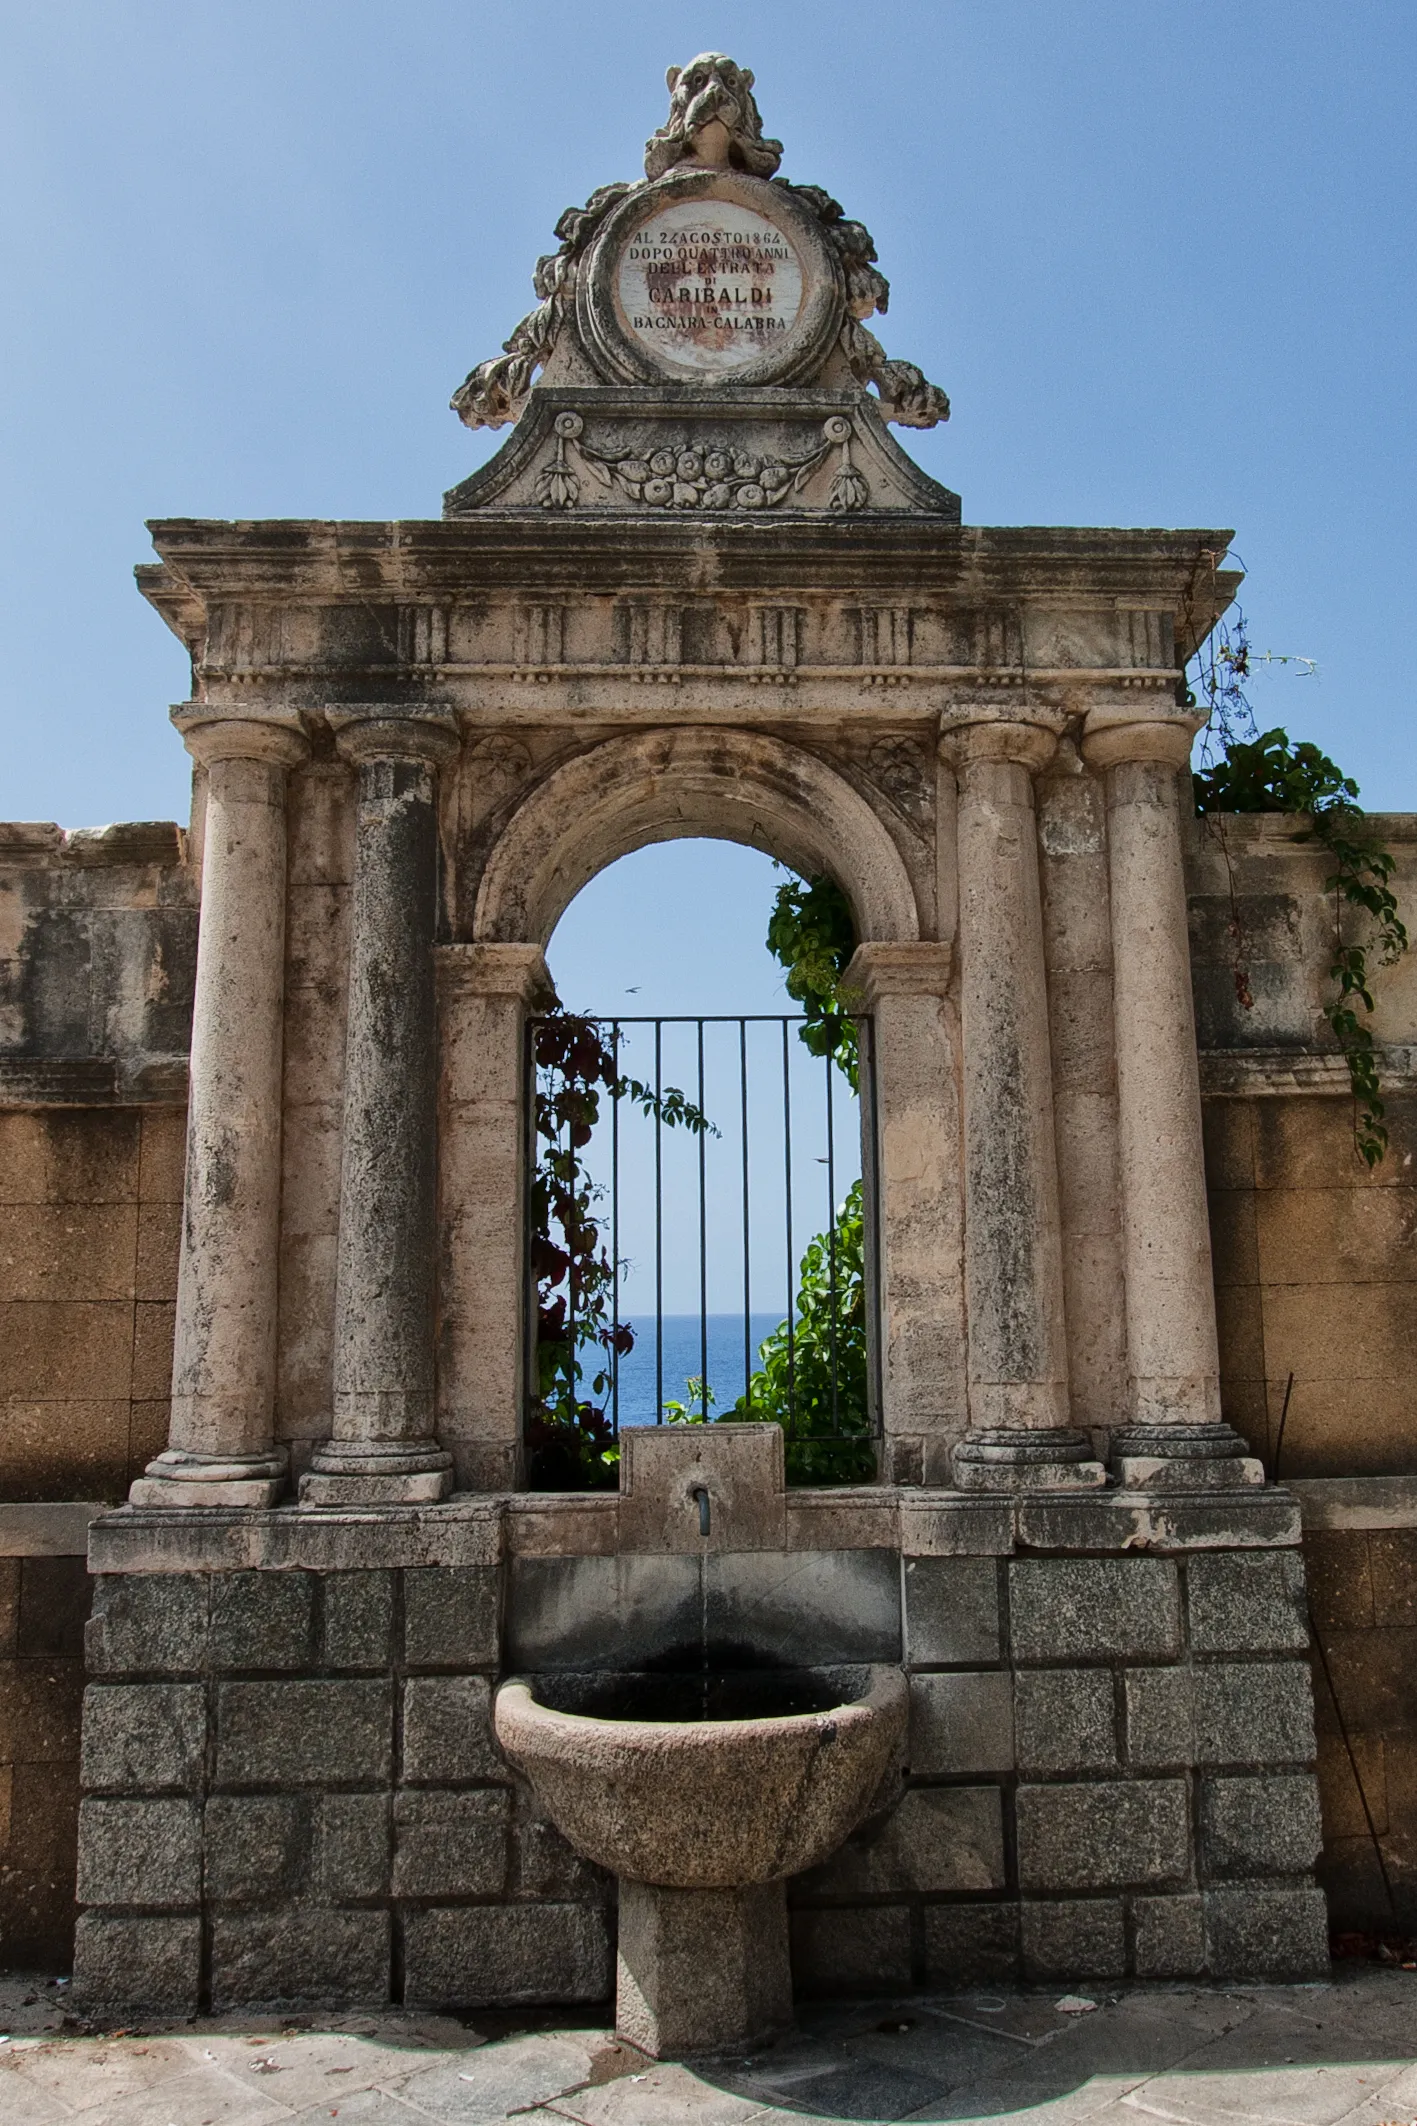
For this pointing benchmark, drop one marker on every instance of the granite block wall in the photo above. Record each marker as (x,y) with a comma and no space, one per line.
(43,1604)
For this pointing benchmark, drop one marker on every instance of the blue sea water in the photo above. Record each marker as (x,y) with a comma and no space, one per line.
(681,1360)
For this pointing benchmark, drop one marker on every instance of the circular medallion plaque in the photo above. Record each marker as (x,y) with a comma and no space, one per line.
(709,277)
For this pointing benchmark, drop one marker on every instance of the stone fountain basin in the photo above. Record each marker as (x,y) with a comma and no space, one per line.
(631,1773)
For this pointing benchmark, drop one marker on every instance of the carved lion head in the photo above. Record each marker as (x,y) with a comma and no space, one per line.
(712,87)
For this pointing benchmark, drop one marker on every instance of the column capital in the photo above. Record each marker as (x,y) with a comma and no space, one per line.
(1110,737)
(383,732)
(518,972)
(917,967)
(1024,745)
(209,736)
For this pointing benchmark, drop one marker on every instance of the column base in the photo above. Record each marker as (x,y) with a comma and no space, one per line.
(1047,1459)
(176,1478)
(700,1970)
(363,1473)
(1208,1457)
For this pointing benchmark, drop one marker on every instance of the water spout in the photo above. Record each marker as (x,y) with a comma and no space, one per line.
(700,1492)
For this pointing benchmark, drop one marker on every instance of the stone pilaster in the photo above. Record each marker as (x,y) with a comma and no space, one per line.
(1175,1436)
(220,1445)
(383,1449)
(1019,1436)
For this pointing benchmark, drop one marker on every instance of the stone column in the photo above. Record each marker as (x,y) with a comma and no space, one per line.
(910,1124)
(1019,1435)
(1176,1436)
(383,1450)
(221,1451)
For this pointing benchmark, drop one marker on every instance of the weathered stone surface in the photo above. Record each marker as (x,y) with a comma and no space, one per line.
(599,1612)
(256,1846)
(1169,1936)
(352,1845)
(503,1956)
(1260,1826)
(1089,1608)
(804,1608)
(1250,1713)
(139,1853)
(951,1611)
(301,1954)
(549,1867)
(961,1724)
(1110,1834)
(450,1617)
(261,1620)
(148,1623)
(1082,1938)
(447,1731)
(1065,1720)
(697,1970)
(863,1950)
(1256,1931)
(968,1944)
(143,1735)
(938,1839)
(359,1611)
(1160,1717)
(1247,1604)
(136,1966)
(451,1844)
(303,1734)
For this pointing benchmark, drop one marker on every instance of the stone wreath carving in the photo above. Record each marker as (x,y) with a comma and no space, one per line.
(697,475)
(713,123)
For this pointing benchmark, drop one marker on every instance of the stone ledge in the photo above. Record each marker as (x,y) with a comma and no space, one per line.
(1338,1502)
(53,1529)
(460,1531)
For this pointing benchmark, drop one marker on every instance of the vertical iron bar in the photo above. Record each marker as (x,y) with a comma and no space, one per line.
(615,1232)
(703,1244)
(747,1284)
(531,1336)
(658,1226)
(831,1247)
(787,1172)
(571,1235)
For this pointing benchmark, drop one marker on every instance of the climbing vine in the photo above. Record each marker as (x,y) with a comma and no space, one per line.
(1245,770)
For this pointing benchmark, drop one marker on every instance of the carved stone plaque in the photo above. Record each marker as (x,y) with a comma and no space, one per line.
(707,286)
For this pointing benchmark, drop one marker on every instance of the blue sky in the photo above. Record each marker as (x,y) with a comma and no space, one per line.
(1160,255)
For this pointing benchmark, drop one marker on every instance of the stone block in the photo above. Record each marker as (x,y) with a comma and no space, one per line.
(451,1844)
(961,1723)
(261,1620)
(1085,1937)
(256,1846)
(549,1868)
(55,1596)
(1160,1718)
(359,1614)
(968,1945)
(1065,1609)
(143,1735)
(1258,1712)
(1111,1834)
(939,1838)
(447,1731)
(698,1970)
(1260,1826)
(40,1704)
(301,1956)
(304,1734)
(951,1611)
(352,1846)
(1065,1720)
(801,1607)
(600,1612)
(450,1616)
(1339,1570)
(127,1967)
(861,1951)
(1254,1930)
(1168,1935)
(139,1853)
(1247,1602)
(152,1622)
(495,1956)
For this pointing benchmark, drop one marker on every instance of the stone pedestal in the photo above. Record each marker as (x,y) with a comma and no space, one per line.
(383,1450)
(698,1970)
(221,1450)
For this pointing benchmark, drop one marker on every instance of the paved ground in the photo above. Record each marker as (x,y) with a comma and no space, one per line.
(1149,2056)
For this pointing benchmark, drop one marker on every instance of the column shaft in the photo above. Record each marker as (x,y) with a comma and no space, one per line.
(382,1448)
(1018,1395)
(221,1450)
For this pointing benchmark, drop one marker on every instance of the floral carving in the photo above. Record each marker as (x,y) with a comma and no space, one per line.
(695,474)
